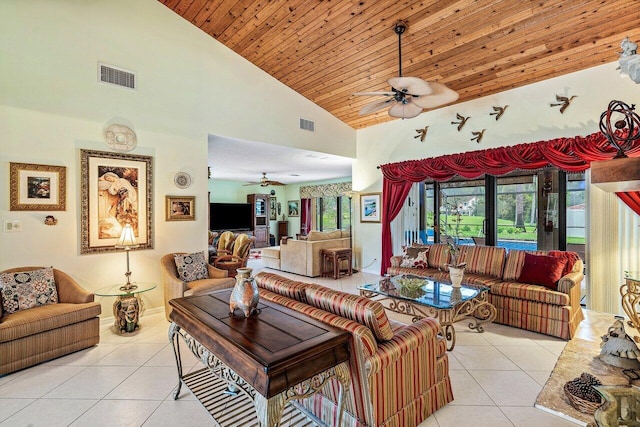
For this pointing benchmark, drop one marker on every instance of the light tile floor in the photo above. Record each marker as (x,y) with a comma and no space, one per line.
(128,380)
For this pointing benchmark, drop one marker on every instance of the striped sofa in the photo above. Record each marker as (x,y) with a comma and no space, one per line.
(523,305)
(399,373)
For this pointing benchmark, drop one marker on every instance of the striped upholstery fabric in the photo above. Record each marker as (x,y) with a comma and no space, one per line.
(488,260)
(478,279)
(431,273)
(529,292)
(359,309)
(534,308)
(397,383)
(438,255)
(282,286)
(515,261)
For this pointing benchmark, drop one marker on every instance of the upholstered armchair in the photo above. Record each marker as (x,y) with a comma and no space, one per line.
(225,243)
(238,257)
(174,287)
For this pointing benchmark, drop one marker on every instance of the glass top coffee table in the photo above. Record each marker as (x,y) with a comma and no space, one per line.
(420,297)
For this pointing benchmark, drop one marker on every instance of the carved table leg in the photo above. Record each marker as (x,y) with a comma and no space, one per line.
(342,374)
(269,410)
(173,337)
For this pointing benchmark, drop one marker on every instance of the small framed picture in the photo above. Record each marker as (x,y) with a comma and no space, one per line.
(273,208)
(370,208)
(37,187)
(293,208)
(181,208)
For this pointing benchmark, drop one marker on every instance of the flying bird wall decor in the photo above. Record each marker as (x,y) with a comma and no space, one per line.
(563,102)
(462,120)
(498,112)
(422,133)
(477,136)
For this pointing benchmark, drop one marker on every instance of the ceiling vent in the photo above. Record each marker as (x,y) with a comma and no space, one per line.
(306,124)
(116,76)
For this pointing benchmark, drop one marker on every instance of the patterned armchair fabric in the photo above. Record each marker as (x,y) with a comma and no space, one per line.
(396,381)
(238,257)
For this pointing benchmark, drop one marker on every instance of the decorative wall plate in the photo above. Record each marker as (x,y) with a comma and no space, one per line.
(120,138)
(182,180)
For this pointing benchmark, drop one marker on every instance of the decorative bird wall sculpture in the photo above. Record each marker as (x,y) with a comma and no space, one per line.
(498,112)
(563,102)
(462,121)
(477,136)
(422,133)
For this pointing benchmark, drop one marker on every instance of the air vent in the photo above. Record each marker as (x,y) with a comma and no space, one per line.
(116,76)
(306,124)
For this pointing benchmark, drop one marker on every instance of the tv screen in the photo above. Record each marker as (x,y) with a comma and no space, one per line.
(230,216)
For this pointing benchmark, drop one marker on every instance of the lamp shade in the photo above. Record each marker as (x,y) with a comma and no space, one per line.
(127,239)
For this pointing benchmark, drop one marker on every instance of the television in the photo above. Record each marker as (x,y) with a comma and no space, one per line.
(230,216)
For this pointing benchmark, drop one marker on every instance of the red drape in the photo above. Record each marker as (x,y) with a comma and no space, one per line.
(568,154)
(632,199)
(305,216)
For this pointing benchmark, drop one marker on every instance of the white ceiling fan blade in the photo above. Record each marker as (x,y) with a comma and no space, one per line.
(374,94)
(376,106)
(441,95)
(405,111)
(411,85)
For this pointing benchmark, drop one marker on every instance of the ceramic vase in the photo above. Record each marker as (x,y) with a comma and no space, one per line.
(456,274)
(245,293)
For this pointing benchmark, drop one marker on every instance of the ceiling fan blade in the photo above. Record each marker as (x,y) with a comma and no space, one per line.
(274,183)
(411,85)
(374,94)
(441,95)
(376,106)
(405,111)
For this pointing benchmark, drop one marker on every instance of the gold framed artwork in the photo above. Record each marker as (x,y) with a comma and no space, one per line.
(180,208)
(37,187)
(116,189)
(293,208)
(370,207)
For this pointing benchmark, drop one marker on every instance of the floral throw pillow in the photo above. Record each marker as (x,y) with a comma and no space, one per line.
(191,266)
(415,259)
(21,290)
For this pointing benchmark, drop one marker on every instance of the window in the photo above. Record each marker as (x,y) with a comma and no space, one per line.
(332,213)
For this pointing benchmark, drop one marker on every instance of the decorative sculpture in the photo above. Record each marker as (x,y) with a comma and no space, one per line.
(462,121)
(626,123)
(245,293)
(498,112)
(563,102)
(477,136)
(422,133)
(629,60)
(618,348)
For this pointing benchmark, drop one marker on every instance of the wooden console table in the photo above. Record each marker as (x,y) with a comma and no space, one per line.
(273,357)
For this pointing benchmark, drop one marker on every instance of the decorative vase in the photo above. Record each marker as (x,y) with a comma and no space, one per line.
(245,293)
(456,274)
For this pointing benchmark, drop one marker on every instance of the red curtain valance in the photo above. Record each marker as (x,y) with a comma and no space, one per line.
(568,154)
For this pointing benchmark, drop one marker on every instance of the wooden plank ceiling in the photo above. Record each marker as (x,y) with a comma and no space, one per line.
(328,49)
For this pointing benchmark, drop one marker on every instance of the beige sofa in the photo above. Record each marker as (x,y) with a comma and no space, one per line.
(399,373)
(534,307)
(303,257)
(38,334)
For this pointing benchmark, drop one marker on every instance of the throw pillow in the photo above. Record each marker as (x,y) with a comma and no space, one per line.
(415,258)
(542,270)
(571,257)
(191,266)
(22,290)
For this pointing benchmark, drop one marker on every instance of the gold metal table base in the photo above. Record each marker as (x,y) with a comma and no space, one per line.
(477,310)
(269,410)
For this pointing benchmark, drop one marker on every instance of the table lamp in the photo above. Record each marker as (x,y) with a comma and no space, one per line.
(127,241)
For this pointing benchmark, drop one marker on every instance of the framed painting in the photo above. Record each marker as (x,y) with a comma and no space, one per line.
(273,208)
(181,208)
(116,189)
(37,187)
(293,208)
(370,208)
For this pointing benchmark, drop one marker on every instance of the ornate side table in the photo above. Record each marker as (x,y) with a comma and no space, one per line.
(630,292)
(128,305)
(621,407)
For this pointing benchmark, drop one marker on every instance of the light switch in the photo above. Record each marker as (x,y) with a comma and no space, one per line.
(13,226)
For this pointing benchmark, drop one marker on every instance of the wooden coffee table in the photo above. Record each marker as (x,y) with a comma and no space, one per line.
(426,298)
(273,357)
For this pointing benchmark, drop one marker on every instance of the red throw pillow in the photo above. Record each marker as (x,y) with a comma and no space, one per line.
(542,270)
(571,258)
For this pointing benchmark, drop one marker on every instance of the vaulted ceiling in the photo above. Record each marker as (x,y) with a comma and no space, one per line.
(328,49)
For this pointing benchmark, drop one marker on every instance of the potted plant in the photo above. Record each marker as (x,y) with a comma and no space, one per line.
(450,231)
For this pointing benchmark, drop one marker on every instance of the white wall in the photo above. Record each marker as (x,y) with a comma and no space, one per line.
(529,118)
(190,86)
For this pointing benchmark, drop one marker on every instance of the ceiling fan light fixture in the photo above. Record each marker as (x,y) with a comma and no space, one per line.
(407,110)
(411,85)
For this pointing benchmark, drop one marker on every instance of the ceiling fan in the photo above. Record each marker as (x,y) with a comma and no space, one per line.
(265,182)
(408,95)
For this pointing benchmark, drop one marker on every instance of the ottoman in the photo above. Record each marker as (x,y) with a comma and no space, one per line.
(271,257)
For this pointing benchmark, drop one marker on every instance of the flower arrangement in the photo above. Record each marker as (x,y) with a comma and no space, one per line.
(450,230)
